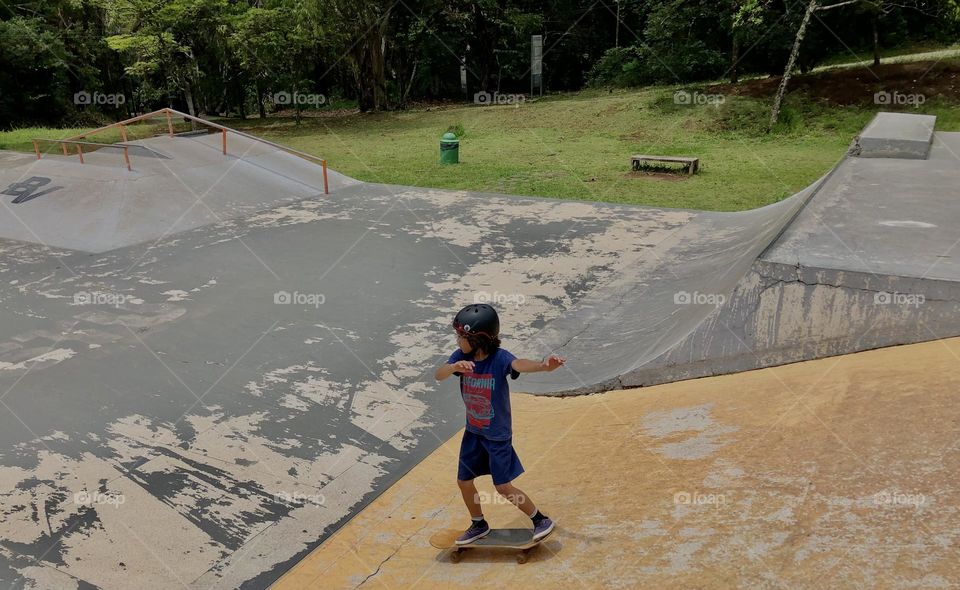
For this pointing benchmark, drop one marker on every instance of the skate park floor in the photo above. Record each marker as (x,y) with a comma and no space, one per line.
(252,379)
(199,395)
(834,473)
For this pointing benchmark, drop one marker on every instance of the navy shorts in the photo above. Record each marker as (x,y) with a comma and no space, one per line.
(481,456)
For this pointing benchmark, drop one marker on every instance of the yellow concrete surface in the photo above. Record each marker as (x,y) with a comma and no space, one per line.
(833,473)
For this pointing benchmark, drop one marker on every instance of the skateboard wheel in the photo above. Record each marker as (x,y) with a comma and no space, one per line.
(521,558)
(455,556)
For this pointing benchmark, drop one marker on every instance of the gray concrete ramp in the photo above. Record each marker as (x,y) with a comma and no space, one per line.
(177,183)
(208,408)
(644,313)
(862,259)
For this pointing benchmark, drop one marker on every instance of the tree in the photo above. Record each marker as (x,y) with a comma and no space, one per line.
(782,89)
(162,45)
(274,49)
(357,31)
(876,7)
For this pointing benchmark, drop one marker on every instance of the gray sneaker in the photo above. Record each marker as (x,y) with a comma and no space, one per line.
(476,531)
(543,529)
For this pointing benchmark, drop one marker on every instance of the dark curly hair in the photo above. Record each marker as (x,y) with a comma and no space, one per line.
(482,342)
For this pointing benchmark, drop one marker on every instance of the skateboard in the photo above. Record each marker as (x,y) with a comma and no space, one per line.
(519,539)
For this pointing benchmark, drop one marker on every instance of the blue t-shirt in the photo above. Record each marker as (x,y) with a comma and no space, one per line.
(486,394)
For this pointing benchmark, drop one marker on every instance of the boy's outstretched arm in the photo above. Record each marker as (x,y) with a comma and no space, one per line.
(444,371)
(550,363)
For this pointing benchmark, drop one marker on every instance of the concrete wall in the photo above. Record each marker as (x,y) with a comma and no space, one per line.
(781,314)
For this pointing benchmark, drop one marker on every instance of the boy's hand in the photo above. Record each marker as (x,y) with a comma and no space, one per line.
(444,371)
(550,363)
(463,366)
(553,362)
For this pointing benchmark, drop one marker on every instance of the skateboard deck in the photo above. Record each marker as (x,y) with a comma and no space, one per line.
(518,539)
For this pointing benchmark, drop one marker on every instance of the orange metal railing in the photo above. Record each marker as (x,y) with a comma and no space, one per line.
(65,142)
(169,114)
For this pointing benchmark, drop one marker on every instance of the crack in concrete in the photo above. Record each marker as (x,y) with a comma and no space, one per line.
(395,551)
(771,282)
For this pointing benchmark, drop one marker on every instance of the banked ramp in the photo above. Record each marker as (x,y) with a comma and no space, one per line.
(861,259)
(128,193)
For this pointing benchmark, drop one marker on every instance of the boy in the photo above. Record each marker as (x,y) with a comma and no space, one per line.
(487,441)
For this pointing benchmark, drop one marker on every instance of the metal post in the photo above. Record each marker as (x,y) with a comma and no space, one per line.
(224,135)
(80,152)
(36,148)
(536,64)
(126,156)
(169,123)
(123,133)
(64,147)
(326,183)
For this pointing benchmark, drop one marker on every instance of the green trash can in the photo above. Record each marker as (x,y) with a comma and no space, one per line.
(449,149)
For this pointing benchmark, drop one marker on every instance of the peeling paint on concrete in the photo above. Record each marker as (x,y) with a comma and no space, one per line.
(240,430)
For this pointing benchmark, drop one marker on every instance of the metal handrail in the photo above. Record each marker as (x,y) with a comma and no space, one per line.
(64,142)
(248,136)
(170,113)
(98,144)
(289,150)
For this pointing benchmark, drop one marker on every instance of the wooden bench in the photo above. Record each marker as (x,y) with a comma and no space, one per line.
(691,165)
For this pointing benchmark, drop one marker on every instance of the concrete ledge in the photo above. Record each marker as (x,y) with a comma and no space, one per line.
(896,135)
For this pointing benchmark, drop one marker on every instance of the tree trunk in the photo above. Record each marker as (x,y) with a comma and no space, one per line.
(369,61)
(616,35)
(260,107)
(191,108)
(876,40)
(483,53)
(406,90)
(296,105)
(734,58)
(782,90)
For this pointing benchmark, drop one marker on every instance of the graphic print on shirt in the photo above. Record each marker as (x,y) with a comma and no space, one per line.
(477,391)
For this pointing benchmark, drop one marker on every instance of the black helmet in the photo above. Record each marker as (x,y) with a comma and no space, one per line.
(478,319)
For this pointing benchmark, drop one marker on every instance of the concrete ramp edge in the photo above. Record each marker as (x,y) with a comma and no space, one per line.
(722,301)
(629,325)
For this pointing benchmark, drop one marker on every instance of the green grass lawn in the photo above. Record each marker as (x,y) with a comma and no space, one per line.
(578,146)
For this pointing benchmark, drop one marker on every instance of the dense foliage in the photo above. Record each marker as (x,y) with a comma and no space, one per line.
(76,61)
